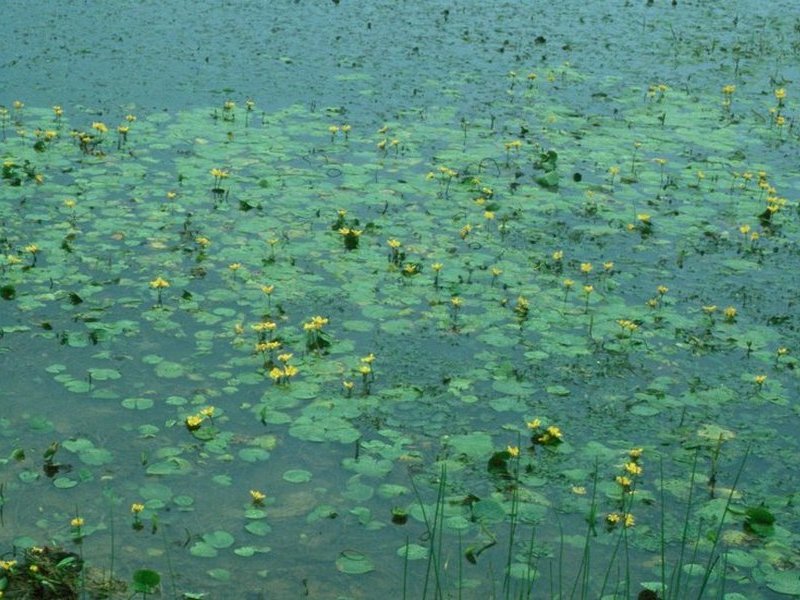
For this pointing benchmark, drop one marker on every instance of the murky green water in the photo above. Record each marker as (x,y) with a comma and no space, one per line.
(498,214)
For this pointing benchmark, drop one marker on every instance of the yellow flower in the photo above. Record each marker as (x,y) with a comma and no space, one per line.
(136,508)
(456,301)
(513,451)
(219,173)
(613,171)
(522,306)
(365,369)
(783,351)
(662,289)
(348,385)
(264,326)
(285,357)
(77,522)
(7,565)
(369,358)
(643,217)
(780,94)
(203,241)
(290,371)
(70,203)
(588,289)
(32,248)
(171,195)
(130,118)
(275,373)
(710,309)
(346,129)
(629,520)
(208,411)
(608,265)
(464,232)
(554,432)
(728,89)
(488,215)
(437,266)
(257,497)
(238,329)
(159,283)
(623,481)
(333,129)
(568,283)
(632,468)
(496,271)
(579,490)
(612,518)
(558,255)
(760,379)
(123,129)
(33,568)
(58,111)
(586,267)
(235,266)
(534,424)
(193,422)
(229,105)
(315,324)
(635,453)
(394,244)
(99,127)
(730,313)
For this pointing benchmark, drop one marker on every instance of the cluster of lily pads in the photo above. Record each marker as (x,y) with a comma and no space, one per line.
(464,277)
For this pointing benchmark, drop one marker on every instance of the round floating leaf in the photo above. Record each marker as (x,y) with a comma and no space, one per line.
(64,483)
(353,562)
(219,574)
(250,550)
(96,456)
(203,550)
(146,581)
(171,466)
(258,527)
(412,552)
(297,476)
(104,374)
(785,582)
(137,403)
(219,539)
(252,455)
(488,511)
(155,491)
(169,370)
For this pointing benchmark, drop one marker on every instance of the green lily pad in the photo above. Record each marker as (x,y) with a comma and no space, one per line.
(219,539)
(353,562)
(297,476)
(785,582)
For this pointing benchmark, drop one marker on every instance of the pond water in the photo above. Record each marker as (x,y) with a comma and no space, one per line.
(350,300)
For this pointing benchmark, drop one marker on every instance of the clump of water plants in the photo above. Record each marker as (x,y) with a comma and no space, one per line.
(52,573)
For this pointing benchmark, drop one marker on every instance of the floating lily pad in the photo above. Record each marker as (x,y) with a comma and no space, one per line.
(353,562)
(297,476)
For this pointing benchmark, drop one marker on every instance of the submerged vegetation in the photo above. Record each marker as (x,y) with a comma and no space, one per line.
(344,353)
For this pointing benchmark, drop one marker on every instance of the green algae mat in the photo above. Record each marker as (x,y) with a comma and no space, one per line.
(545,349)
